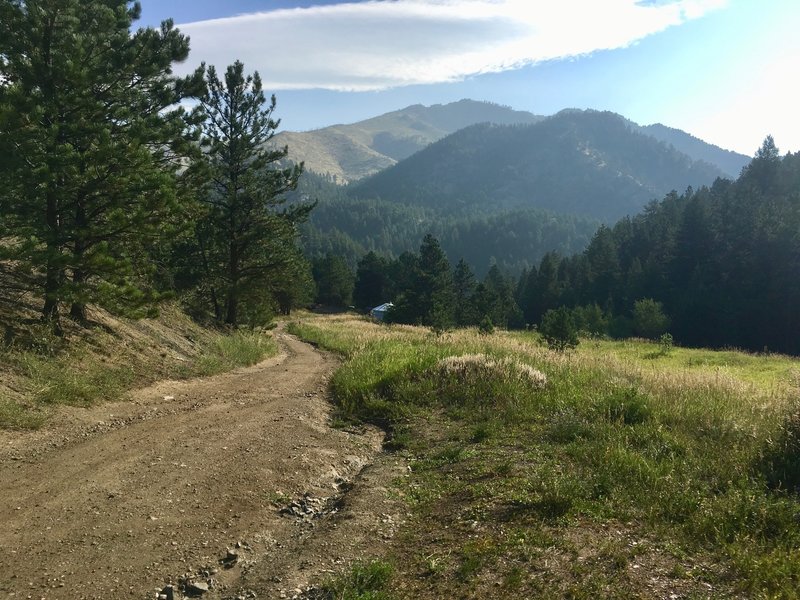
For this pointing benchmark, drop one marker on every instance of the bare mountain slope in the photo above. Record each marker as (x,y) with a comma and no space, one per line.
(352,152)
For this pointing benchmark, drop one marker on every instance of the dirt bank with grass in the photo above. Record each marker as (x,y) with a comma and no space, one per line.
(235,482)
(100,360)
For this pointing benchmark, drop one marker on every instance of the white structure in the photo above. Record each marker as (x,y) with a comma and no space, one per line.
(379,312)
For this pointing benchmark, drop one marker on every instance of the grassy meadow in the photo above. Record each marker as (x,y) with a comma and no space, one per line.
(613,471)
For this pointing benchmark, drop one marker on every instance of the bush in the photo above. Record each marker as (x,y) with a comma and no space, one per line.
(780,464)
(665,343)
(590,319)
(486,327)
(649,320)
(558,329)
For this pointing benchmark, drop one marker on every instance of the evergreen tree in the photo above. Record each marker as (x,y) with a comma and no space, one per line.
(604,269)
(558,329)
(246,237)
(89,110)
(504,310)
(295,288)
(334,281)
(372,282)
(434,284)
(426,285)
(463,290)
(544,292)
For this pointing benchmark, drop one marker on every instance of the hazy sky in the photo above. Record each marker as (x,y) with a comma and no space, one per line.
(723,70)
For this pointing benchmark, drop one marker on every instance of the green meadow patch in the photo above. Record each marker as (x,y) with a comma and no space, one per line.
(603,472)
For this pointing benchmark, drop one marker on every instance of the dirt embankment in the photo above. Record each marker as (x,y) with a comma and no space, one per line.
(236,484)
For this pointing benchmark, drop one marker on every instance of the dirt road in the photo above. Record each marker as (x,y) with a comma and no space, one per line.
(118,501)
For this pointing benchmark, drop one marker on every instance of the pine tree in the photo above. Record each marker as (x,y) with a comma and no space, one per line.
(504,311)
(334,281)
(426,285)
(371,287)
(434,284)
(247,236)
(464,289)
(88,113)
(558,329)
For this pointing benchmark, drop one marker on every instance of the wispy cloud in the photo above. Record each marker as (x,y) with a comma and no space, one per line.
(381,44)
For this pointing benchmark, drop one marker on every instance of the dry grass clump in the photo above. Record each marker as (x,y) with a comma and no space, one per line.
(469,367)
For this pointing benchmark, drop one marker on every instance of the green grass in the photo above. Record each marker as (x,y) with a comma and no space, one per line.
(239,349)
(364,581)
(678,453)
(770,373)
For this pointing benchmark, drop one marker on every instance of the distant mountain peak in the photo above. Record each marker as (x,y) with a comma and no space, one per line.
(352,152)
(589,162)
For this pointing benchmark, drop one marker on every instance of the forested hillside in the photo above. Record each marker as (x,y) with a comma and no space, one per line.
(514,239)
(723,260)
(731,163)
(713,267)
(576,162)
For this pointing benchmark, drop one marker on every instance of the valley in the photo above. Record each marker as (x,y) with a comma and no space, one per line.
(399,300)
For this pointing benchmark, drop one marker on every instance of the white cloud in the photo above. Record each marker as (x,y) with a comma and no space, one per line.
(380,44)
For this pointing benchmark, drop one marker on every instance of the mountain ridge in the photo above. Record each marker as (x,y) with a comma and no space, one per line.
(351,152)
(595,163)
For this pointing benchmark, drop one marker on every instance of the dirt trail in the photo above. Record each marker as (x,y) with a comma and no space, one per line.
(119,500)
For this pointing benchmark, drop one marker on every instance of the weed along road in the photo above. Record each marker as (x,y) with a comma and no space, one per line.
(211,484)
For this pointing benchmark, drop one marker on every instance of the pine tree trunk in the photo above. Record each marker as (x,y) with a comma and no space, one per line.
(232,305)
(232,308)
(50,311)
(53,271)
(78,309)
(207,271)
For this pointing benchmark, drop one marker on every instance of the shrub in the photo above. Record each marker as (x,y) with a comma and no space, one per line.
(780,464)
(558,329)
(649,320)
(591,320)
(486,327)
(665,343)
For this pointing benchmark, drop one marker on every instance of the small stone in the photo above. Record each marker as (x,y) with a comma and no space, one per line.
(196,588)
(231,558)
(168,593)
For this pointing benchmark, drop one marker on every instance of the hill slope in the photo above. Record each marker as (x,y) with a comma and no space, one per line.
(579,162)
(351,152)
(731,163)
(514,239)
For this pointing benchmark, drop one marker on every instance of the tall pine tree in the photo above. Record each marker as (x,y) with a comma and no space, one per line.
(247,236)
(89,115)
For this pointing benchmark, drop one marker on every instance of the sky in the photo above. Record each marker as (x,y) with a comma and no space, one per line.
(725,71)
